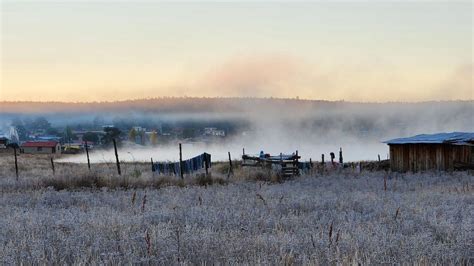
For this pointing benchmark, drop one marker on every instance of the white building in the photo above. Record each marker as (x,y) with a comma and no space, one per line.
(212,131)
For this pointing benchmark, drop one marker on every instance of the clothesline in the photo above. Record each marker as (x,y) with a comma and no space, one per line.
(189,166)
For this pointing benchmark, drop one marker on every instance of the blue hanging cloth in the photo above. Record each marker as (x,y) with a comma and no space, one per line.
(189,166)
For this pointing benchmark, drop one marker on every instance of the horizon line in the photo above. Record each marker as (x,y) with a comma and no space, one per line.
(226,98)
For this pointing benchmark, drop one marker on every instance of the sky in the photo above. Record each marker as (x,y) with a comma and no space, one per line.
(368,51)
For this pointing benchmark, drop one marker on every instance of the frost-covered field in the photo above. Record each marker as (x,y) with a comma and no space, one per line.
(336,218)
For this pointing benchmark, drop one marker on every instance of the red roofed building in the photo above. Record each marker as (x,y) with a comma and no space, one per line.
(41,147)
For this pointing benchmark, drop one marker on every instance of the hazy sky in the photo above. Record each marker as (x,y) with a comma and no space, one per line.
(358,51)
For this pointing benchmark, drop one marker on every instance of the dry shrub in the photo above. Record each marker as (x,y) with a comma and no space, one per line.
(207,180)
(133,182)
(89,180)
(92,180)
(232,224)
(266,175)
(166,181)
(223,167)
(276,178)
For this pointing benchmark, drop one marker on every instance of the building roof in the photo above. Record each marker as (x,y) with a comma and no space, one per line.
(455,138)
(48,137)
(45,144)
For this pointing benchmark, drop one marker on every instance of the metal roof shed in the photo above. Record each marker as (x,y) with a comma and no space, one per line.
(442,151)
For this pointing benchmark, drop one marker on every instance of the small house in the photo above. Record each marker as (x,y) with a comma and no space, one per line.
(41,147)
(442,152)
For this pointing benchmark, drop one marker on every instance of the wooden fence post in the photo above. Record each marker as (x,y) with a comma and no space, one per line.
(87,153)
(231,170)
(379,158)
(297,165)
(322,163)
(341,161)
(206,163)
(52,166)
(117,158)
(152,166)
(16,162)
(181,161)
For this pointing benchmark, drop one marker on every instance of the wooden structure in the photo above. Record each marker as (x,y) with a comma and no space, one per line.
(442,152)
(41,147)
(288,163)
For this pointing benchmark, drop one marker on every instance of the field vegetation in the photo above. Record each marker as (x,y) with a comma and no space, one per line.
(337,217)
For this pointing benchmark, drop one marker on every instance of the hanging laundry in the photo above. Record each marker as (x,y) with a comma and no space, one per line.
(189,166)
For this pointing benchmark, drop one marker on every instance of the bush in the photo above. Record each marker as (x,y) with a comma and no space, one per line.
(73,182)
(207,180)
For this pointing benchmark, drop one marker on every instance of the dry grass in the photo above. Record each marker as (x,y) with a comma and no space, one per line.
(35,172)
(98,217)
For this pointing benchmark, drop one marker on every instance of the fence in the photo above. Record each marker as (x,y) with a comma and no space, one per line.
(288,164)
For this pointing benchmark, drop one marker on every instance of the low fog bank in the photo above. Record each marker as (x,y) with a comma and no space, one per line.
(271,125)
(272,137)
(352,151)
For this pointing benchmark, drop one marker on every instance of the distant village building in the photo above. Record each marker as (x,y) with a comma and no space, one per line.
(151,137)
(79,134)
(9,140)
(139,129)
(48,138)
(138,135)
(212,131)
(41,147)
(443,151)
(3,142)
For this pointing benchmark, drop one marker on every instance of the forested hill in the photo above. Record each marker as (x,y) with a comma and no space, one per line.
(220,105)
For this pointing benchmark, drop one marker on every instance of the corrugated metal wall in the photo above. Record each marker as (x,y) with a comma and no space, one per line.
(421,157)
